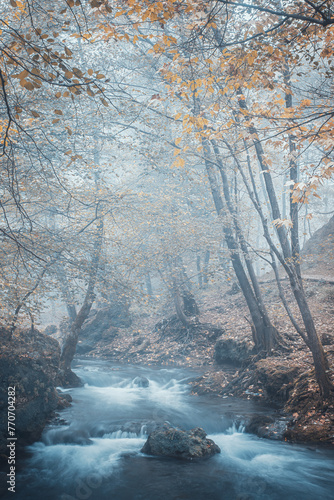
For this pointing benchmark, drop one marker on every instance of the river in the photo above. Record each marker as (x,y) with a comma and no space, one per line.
(93,450)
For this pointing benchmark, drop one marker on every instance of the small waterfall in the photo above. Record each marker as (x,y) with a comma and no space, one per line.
(236,428)
(127,435)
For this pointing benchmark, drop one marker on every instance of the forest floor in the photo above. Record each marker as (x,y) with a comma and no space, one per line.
(285,378)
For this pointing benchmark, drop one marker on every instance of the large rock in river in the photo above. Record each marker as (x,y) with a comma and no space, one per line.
(29,361)
(176,443)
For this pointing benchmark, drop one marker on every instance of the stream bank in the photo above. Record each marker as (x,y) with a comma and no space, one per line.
(29,362)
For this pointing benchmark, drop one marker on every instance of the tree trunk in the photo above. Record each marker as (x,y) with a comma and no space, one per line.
(276,214)
(190,306)
(206,268)
(181,290)
(293,168)
(232,210)
(319,357)
(199,271)
(264,334)
(66,375)
(178,307)
(291,262)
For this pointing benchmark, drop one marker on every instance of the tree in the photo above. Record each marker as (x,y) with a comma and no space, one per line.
(250,63)
(78,318)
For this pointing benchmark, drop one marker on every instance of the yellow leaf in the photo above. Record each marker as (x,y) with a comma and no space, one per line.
(179,162)
(27,85)
(119,13)
(21,75)
(178,140)
(158,48)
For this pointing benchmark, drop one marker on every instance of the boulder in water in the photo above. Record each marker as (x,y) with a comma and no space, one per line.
(187,445)
(64,401)
(141,382)
(267,426)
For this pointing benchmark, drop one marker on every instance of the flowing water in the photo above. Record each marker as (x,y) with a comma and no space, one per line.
(94,451)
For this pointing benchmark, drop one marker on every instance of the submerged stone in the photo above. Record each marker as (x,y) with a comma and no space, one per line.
(141,382)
